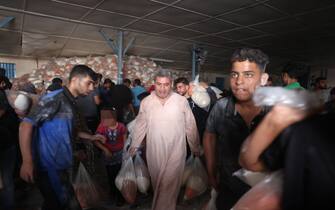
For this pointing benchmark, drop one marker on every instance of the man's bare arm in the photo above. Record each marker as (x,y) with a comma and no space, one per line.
(25,140)
(272,125)
(209,143)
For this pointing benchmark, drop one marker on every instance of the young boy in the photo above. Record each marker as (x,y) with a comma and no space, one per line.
(116,134)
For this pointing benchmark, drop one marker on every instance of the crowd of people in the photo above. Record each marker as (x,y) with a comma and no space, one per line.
(44,132)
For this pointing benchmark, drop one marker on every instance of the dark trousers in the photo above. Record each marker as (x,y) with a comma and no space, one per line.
(51,201)
(8,160)
(112,171)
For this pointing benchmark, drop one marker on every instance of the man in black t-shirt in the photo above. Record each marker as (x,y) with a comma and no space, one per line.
(230,122)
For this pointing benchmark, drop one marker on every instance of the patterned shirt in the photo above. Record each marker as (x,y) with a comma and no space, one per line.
(115,141)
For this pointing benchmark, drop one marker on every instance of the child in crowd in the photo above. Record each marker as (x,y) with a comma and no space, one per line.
(116,134)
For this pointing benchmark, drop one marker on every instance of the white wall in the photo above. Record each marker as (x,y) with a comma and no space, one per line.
(24,65)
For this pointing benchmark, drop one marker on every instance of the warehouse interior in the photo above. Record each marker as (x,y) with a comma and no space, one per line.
(44,39)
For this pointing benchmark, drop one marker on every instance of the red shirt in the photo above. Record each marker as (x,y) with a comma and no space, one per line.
(115,137)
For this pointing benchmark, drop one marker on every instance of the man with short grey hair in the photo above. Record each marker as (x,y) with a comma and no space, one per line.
(166,119)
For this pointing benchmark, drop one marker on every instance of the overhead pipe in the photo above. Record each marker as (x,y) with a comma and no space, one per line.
(120,57)
(194,61)
(119,51)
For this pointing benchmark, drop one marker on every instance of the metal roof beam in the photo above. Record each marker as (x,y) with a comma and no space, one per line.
(5,21)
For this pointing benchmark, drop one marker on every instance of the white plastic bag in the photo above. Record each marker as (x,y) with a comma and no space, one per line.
(86,191)
(266,195)
(126,181)
(199,94)
(187,170)
(197,183)
(200,97)
(142,174)
(249,177)
(125,153)
(20,100)
(211,205)
(217,91)
(270,96)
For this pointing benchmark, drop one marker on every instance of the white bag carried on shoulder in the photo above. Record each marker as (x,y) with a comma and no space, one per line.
(200,95)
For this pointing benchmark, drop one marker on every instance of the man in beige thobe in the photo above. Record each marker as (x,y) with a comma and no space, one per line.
(166,119)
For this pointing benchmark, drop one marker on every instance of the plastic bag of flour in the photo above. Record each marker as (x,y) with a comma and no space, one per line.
(217,91)
(200,95)
(86,191)
(266,195)
(249,177)
(125,153)
(142,174)
(197,182)
(126,181)
(187,170)
(20,100)
(270,96)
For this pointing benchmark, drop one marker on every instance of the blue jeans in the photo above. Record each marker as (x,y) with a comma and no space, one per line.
(8,160)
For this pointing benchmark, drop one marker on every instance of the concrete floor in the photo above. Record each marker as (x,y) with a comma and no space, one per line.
(28,197)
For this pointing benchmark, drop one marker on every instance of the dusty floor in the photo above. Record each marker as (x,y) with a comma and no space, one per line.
(29,198)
